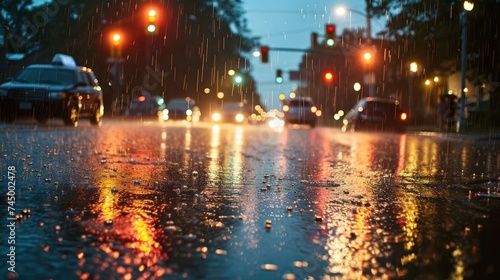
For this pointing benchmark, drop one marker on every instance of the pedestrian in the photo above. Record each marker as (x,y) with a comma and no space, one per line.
(441,111)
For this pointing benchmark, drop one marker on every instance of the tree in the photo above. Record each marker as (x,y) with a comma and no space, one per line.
(19,30)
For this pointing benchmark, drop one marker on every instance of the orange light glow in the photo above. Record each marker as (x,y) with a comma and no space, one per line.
(404,116)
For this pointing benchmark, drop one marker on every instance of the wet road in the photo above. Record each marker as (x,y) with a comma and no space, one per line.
(177,201)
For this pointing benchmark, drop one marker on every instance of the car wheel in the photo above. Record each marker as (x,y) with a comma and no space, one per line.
(41,116)
(96,118)
(70,114)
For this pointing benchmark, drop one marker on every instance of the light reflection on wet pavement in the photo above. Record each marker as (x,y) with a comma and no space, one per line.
(175,201)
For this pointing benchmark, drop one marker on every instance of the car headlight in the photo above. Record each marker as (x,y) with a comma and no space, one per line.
(239,118)
(56,95)
(216,117)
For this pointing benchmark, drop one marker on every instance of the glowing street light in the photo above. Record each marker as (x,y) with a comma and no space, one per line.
(468,6)
(341,11)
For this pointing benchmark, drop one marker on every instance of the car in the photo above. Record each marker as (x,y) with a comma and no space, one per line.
(60,89)
(146,106)
(377,114)
(300,110)
(231,112)
(182,109)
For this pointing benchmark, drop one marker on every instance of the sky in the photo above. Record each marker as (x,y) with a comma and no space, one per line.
(289,24)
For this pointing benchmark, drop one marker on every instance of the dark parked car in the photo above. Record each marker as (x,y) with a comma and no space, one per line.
(300,110)
(378,114)
(147,107)
(233,112)
(60,89)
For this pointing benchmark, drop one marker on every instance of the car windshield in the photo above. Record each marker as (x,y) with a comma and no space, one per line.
(300,103)
(232,107)
(35,75)
(180,104)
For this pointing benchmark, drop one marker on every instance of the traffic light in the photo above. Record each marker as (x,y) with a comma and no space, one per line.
(152,23)
(330,35)
(279,76)
(264,54)
(238,79)
(367,57)
(329,77)
(116,48)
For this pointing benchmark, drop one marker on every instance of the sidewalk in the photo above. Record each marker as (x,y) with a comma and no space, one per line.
(470,133)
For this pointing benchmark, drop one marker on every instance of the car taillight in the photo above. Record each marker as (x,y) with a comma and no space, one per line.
(404,116)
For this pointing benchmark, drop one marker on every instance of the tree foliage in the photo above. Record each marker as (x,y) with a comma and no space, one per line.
(16,19)
(430,32)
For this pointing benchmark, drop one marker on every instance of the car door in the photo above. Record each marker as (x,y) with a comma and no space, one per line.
(83,93)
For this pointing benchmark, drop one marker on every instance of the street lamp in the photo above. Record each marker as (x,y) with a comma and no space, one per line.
(342,11)
(468,6)
(413,70)
(367,58)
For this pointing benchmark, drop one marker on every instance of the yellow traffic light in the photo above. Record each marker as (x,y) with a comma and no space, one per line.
(367,56)
(116,44)
(116,39)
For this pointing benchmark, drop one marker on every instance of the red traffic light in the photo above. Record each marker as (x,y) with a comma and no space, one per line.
(330,28)
(330,34)
(329,77)
(264,54)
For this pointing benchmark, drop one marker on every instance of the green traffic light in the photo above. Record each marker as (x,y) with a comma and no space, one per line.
(330,42)
(279,80)
(238,79)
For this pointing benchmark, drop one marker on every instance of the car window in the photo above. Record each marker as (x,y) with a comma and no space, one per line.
(379,108)
(88,79)
(80,78)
